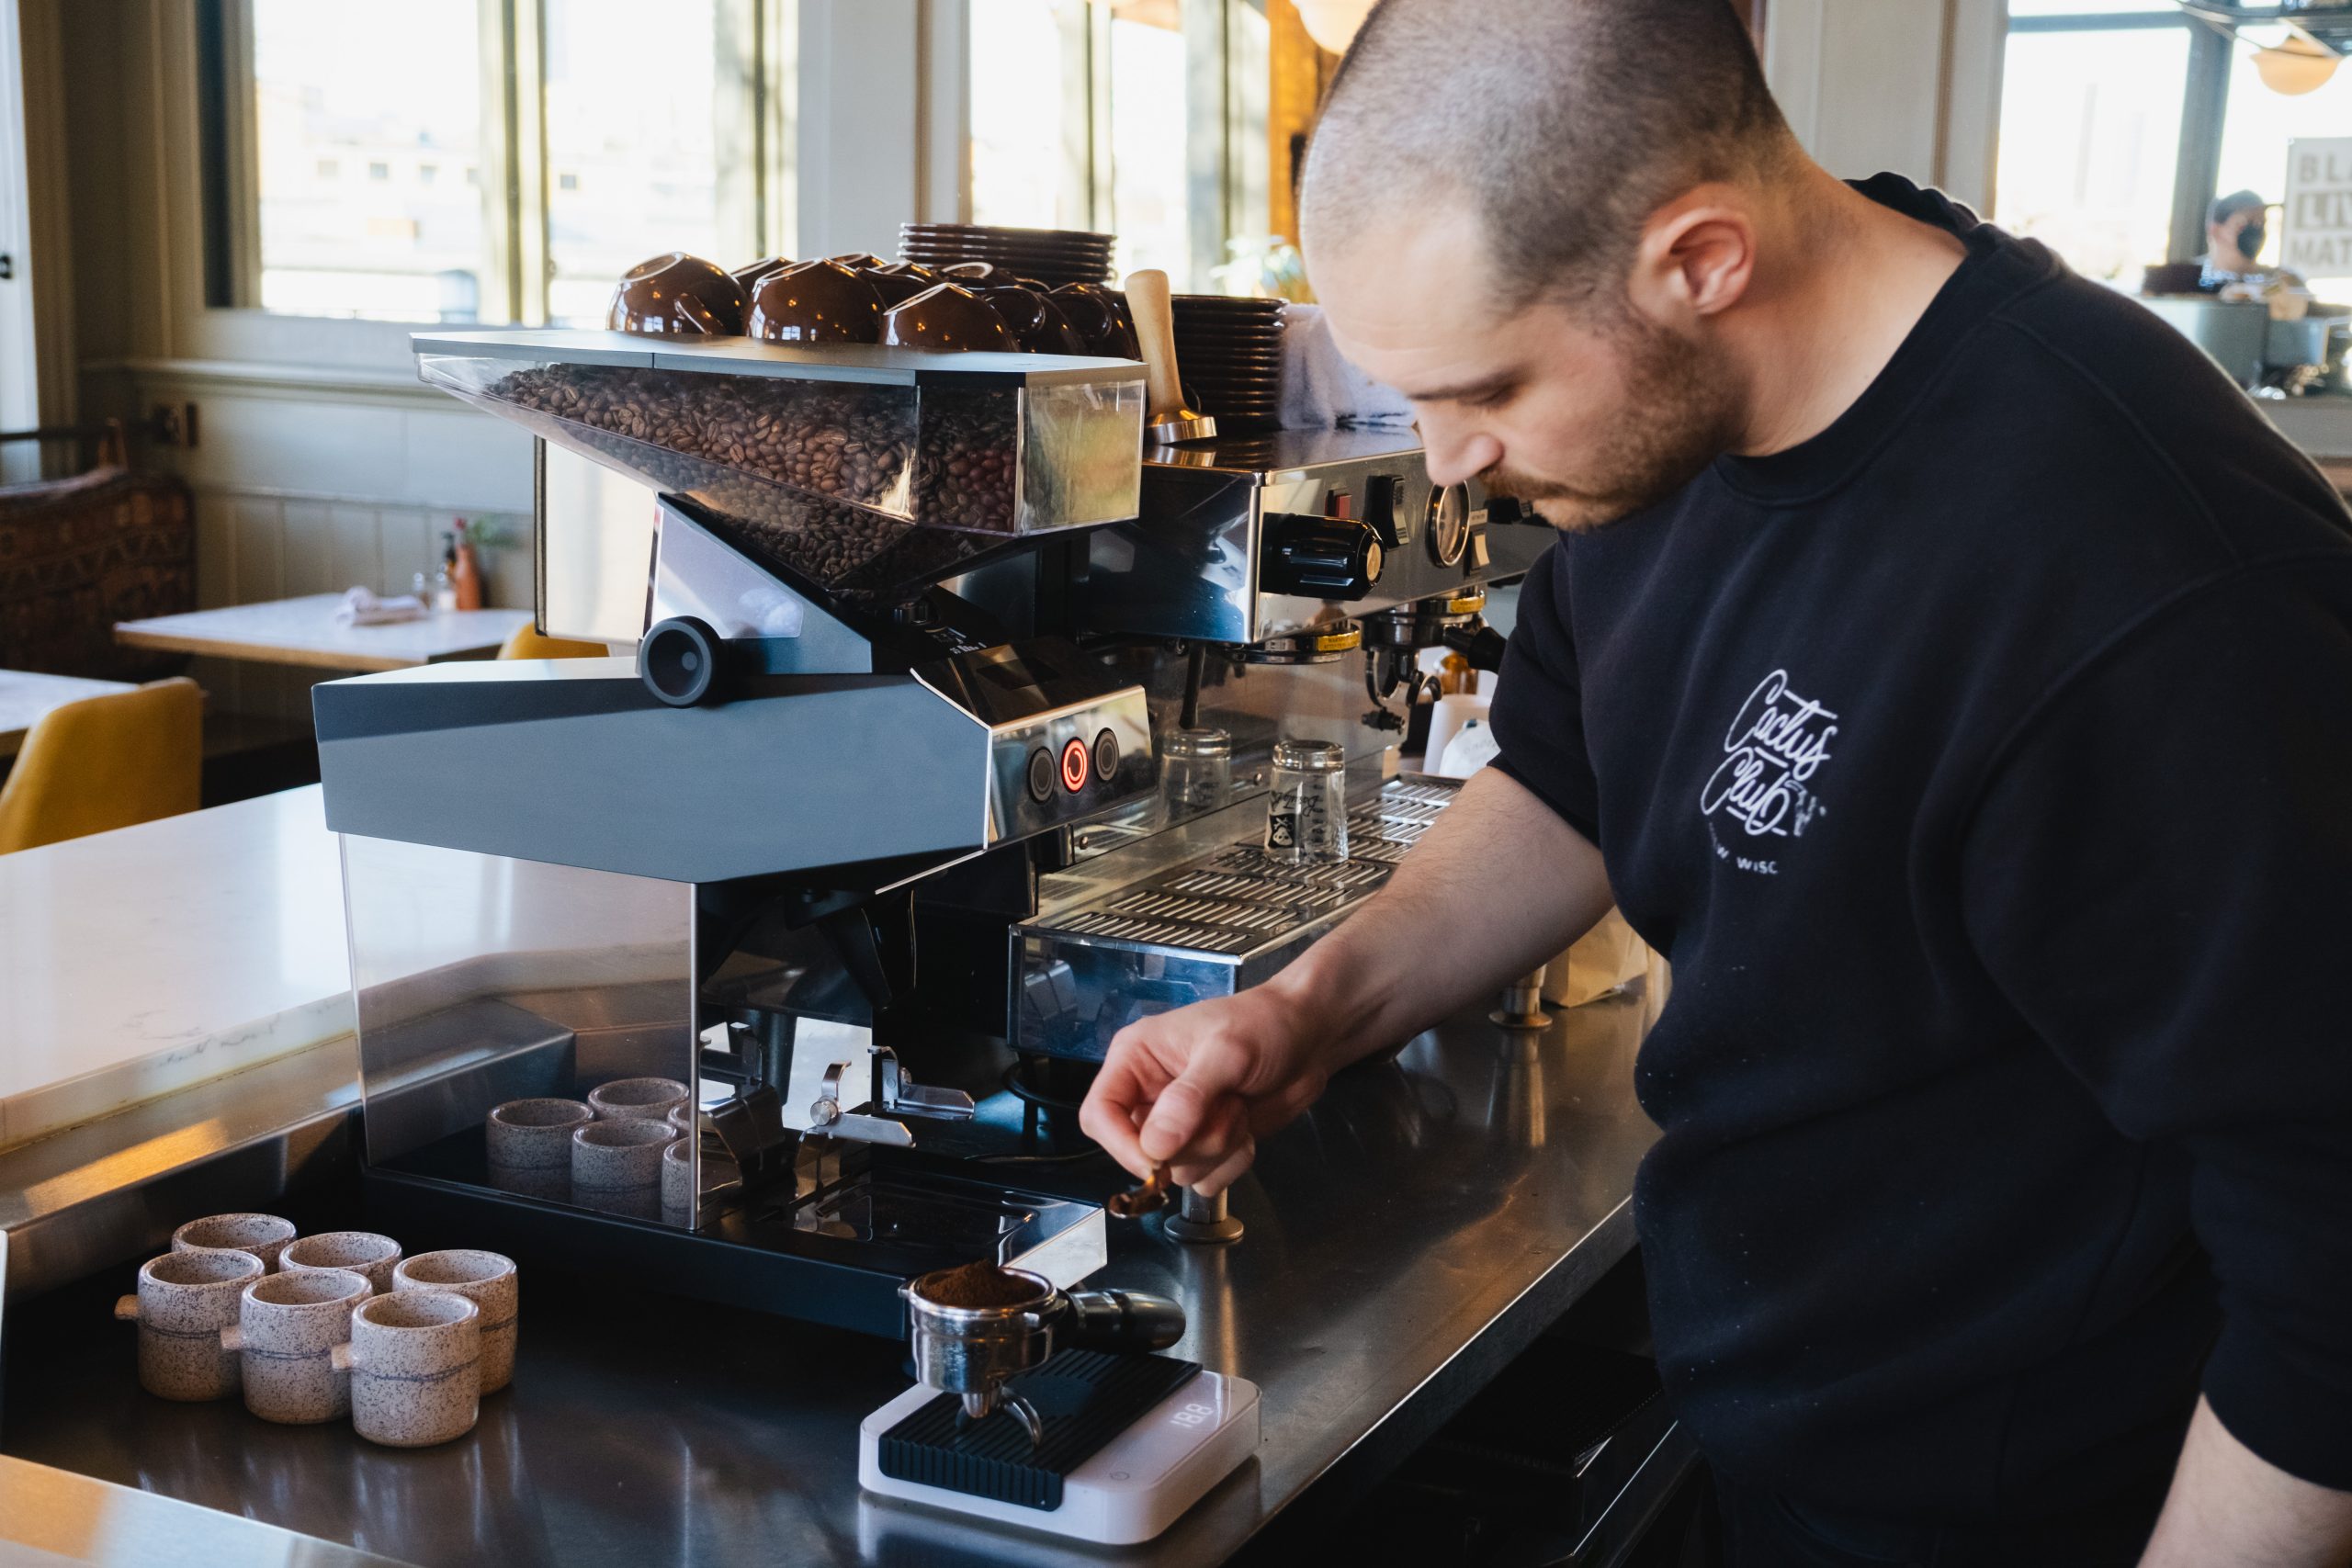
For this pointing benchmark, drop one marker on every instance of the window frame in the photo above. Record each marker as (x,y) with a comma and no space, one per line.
(211,211)
(2205,102)
(1221,182)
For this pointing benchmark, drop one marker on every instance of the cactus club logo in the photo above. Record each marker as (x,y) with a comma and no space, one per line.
(1763,786)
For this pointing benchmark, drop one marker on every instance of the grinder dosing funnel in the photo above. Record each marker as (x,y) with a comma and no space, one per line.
(870,472)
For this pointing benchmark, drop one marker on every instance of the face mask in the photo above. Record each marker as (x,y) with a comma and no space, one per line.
(2250,238)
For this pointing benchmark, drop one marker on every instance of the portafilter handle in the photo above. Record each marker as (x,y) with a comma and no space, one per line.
(1120,1321)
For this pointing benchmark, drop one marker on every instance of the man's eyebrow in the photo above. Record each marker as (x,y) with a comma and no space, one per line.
(1467,391)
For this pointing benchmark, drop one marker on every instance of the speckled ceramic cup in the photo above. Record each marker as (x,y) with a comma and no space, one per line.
(185,1300)
(530,1146)
(416,1366)
(632,1099)
(489,1281)
(288,1327)
(677,1181)
(363,1252)
(264,1235)
(616,1165)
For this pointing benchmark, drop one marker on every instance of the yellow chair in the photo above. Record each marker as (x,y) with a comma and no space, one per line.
(527,643)
(109,762)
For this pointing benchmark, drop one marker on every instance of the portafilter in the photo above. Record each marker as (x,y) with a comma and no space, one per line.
(972,1351)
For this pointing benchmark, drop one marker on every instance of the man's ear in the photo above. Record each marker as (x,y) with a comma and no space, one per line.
(1695,260)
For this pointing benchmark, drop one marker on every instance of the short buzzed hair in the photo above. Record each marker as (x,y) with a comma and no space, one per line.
(1564,123)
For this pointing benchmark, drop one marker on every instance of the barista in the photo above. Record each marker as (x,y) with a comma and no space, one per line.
(2236,228)
(1969,726)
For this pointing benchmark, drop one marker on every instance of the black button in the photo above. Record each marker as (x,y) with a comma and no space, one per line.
(1041,775)
(1106,756)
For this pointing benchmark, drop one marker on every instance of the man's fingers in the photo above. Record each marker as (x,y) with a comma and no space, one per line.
(1114,1105)
(1213,1180)
(1183,1112)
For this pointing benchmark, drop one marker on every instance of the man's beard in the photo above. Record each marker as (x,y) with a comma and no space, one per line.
(1685,418)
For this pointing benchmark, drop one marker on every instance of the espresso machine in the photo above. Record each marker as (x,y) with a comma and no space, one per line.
(940,756)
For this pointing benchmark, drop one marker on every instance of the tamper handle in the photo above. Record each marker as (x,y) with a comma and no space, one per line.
(1118,1321)
(1155,317)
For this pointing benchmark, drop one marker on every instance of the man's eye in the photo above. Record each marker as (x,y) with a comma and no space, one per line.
(1493,400)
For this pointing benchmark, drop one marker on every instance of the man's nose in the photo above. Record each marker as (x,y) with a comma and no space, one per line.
(1456,453)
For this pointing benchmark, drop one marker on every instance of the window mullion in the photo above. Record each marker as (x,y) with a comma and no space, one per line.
(2205,108)
(529,234)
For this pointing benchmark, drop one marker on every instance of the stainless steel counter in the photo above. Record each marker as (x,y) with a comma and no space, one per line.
(1427,1221)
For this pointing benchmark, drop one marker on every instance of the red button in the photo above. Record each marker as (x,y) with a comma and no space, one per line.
(1076,766)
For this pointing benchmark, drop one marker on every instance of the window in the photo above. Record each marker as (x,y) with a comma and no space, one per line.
(2256,135)
(2090,131)
(636,146)
(651,130)
(1143,118)
(306,243)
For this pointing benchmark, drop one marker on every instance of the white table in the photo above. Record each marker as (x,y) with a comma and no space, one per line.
(24,696)
(138,963)
(304,631)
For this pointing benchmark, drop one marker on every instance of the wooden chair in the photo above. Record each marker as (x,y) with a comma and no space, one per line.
(528,643)
(102,763)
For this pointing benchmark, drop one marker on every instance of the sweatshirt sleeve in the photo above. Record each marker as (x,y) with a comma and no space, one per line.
(1538,714)
(2159,877)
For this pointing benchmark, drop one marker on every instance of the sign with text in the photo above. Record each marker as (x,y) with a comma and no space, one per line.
(2318,208)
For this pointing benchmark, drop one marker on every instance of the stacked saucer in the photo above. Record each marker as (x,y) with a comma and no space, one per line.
(1230,351)
(1051,257)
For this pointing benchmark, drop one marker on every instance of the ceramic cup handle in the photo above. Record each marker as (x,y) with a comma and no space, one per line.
(126,1309)
(232,1339)
(340,1358)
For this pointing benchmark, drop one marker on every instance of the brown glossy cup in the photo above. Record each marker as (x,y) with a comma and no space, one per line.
(1036,320)
(949,319)
(816,302)
(980,275)
(857,261)
(1100,317)
(898,282)
(747,279)
(676,295)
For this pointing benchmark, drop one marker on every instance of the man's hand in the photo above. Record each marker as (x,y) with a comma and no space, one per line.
(1499,885)
(1194,1090)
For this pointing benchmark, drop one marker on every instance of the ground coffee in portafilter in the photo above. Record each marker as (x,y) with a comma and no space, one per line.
(980,1284)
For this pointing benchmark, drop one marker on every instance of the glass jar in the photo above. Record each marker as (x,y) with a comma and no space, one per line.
(1196,771)
(1307,811)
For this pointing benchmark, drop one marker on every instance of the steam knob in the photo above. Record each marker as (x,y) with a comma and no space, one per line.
(1321,558)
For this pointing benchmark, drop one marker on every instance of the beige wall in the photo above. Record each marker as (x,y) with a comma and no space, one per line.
(1908,86)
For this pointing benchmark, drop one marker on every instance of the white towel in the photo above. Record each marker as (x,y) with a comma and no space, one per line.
(361,608)
(1321,391)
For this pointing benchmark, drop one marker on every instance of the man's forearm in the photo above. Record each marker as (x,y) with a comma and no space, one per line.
(2229,1504)
(1498,886)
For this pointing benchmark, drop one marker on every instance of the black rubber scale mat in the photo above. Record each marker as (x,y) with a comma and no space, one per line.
(1083,1398)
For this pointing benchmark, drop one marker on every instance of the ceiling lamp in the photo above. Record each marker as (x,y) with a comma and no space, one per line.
(1332,24)
(2298,65)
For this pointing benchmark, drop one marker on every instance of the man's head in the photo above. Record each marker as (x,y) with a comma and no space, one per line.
(2235,231)
(1530,218)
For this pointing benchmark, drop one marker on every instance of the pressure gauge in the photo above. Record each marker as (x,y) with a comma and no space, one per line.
(1449,528)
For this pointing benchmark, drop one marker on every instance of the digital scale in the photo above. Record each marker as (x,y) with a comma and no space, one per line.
(1129,1443)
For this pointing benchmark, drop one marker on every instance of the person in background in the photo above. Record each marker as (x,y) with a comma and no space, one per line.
(2236,228)
(1950,671)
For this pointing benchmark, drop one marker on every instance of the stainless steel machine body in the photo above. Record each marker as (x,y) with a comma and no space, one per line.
(914,831)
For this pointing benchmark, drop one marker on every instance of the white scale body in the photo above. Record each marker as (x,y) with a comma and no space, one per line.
(1137,1486)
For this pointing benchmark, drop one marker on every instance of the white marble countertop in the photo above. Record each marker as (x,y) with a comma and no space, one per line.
(137,963)
(305,631)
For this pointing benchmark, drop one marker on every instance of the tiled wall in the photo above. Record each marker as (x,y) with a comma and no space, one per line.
(318,489)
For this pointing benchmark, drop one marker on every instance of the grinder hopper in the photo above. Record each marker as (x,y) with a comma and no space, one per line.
(865,472)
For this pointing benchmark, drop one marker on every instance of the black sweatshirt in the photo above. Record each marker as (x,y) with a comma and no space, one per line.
(1984,765)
